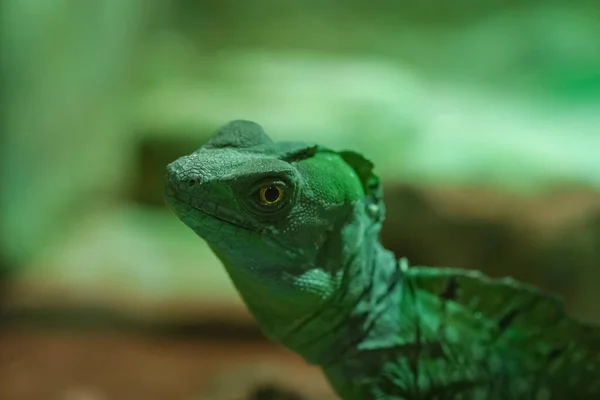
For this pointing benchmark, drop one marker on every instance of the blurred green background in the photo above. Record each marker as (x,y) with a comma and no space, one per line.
(483,119)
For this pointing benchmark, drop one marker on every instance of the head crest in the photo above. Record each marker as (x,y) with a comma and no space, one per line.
(240,134)
(370,183)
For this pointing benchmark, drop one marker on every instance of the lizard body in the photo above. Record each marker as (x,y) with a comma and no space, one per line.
(297,228)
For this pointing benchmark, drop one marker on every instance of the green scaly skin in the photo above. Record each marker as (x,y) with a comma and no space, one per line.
(310,268)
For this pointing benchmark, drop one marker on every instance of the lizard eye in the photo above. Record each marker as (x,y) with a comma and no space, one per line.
(271,194)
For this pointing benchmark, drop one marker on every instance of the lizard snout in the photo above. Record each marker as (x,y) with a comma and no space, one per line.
(184,180)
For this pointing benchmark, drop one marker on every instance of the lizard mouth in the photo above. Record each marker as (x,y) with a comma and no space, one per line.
(209,209)
(224,214)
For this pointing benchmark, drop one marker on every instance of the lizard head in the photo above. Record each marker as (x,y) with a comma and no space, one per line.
(284,218)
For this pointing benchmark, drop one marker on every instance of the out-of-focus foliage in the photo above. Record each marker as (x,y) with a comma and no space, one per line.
(67,68)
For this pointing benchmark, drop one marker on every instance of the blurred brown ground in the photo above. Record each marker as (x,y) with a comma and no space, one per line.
(38,364)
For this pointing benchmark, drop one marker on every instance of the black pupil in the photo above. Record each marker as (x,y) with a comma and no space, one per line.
(271,194)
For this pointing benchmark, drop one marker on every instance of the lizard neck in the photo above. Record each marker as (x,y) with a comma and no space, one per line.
(332,307)
(363,314)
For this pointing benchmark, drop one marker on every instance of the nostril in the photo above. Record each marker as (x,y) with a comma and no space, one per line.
(180,175)
(194,181)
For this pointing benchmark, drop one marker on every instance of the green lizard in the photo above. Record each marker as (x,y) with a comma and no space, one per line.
(296,227)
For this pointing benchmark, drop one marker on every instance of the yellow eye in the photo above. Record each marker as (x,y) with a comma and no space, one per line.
(271,194)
